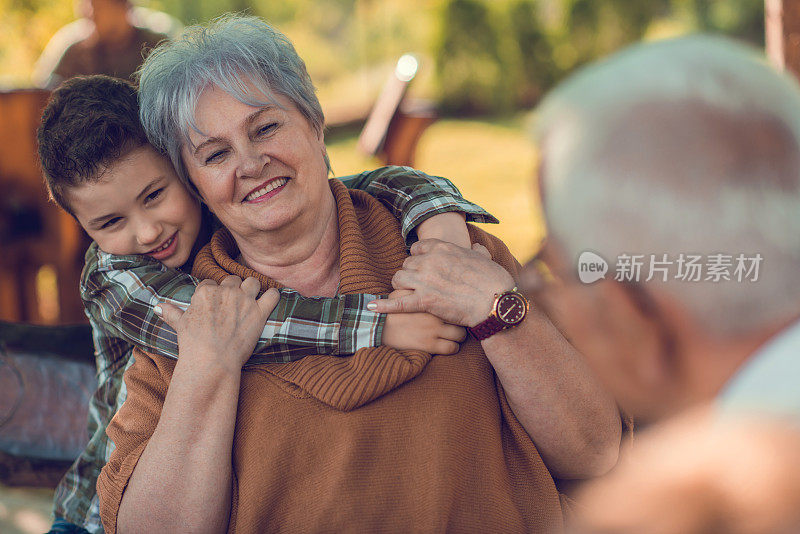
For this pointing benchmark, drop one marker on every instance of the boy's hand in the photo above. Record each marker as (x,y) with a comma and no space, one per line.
(421,331)
(450,227)
(223,322)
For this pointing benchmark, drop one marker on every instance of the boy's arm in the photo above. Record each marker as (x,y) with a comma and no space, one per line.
(122,292)
(414,197)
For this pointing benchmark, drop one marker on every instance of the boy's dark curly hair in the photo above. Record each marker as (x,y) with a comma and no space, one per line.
(88,124)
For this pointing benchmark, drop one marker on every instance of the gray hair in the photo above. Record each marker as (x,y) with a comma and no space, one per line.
(226,53)
(689,145)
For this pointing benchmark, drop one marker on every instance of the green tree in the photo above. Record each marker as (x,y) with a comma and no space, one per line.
(537,72)
(469,66)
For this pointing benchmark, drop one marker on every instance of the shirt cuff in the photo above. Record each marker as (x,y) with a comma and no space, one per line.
(360,328)
(417,213)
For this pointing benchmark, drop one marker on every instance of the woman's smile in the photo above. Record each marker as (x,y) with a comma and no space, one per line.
(267,190)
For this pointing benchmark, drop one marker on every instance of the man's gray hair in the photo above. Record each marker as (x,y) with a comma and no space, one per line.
(228,52)
(689,146)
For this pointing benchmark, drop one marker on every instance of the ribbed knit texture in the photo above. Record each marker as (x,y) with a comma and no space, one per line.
(383,441)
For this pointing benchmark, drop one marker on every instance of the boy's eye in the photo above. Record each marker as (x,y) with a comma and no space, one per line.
(111,222)
(154,195)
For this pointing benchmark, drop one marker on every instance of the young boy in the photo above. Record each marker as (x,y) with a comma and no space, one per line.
(147,227)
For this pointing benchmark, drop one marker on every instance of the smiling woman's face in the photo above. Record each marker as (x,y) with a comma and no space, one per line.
(259,169)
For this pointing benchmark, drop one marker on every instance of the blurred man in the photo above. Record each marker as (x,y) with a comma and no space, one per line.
(111,38)
(673,204)
(686,180)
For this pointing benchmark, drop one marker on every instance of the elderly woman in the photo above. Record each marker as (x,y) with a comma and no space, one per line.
(385,440)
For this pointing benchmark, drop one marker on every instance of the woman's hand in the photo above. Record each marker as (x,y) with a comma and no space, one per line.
(420,331)
(223,322)
(450,227)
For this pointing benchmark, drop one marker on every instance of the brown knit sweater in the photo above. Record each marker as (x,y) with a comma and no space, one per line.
(382,441)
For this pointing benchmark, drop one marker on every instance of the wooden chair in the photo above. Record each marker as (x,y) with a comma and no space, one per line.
(34,233)
(396,123)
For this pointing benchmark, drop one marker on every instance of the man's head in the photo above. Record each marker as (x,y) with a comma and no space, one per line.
(99,167)
(686,148)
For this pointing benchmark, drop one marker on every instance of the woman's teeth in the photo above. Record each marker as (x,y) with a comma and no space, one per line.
(274,184)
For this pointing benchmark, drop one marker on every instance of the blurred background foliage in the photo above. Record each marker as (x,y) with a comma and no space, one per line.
(478,56)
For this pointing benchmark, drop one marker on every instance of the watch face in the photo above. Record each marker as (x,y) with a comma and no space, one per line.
(511,308)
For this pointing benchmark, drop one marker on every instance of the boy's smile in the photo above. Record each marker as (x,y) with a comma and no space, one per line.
(139,206)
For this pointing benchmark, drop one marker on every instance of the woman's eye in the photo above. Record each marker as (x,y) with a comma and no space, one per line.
(267,128)
(216,156)
(154,195)
(110,223)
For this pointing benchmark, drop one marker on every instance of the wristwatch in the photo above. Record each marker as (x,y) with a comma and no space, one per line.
(509,310)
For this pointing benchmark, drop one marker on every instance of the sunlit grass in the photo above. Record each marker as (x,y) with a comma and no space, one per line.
(493,163)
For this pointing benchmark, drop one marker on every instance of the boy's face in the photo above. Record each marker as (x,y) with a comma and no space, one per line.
(139,206)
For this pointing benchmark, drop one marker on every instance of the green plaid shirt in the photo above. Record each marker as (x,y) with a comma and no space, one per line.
(120,292)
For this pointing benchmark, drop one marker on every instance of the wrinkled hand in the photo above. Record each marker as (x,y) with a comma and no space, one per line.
(420,331)
(223,322)
(456,284)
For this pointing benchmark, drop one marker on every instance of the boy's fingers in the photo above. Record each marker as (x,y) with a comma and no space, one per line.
(407,304)
(169,313)
(454,333)
(269,300)
(445,347)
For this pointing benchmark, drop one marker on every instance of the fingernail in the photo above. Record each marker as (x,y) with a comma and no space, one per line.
(157,309)
(372,306)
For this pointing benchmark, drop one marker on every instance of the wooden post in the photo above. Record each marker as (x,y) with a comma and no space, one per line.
(782,25)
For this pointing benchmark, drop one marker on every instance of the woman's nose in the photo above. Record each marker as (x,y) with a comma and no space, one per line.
(251,162)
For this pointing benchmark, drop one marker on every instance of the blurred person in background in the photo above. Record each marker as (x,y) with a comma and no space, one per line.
(695,155)
(112,37)
(694,160)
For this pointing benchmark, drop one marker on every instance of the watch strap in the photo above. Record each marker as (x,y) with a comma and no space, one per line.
(487,328)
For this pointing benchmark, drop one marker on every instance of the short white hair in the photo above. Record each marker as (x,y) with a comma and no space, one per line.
(690,145)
